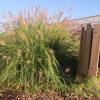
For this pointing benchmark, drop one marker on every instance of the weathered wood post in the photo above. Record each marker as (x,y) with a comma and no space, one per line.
(81,51)
(89,51)
(85,50)
(95,51)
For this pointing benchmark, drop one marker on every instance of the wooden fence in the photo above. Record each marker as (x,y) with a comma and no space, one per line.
(89,51)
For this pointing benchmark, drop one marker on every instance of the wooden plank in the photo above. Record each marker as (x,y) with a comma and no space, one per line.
(94,61)
(87,50)
(81,50)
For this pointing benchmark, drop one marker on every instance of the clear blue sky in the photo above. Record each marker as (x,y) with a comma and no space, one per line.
(80,8)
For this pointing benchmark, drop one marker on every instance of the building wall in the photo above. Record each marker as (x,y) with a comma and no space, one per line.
(82,22)
(86,20)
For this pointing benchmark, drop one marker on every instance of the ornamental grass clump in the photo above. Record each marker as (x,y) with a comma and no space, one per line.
(34,51)
(27,62)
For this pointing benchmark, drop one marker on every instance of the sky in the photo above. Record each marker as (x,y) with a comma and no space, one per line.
(72,8)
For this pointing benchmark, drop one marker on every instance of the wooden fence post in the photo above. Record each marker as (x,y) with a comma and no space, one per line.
(85,51)
(81,50)
(95,51)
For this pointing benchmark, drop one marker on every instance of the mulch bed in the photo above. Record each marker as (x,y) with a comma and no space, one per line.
(13,95)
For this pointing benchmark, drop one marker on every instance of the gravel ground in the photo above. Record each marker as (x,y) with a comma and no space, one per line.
(13,95)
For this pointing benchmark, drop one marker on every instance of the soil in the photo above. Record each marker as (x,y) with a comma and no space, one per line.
(13,95)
